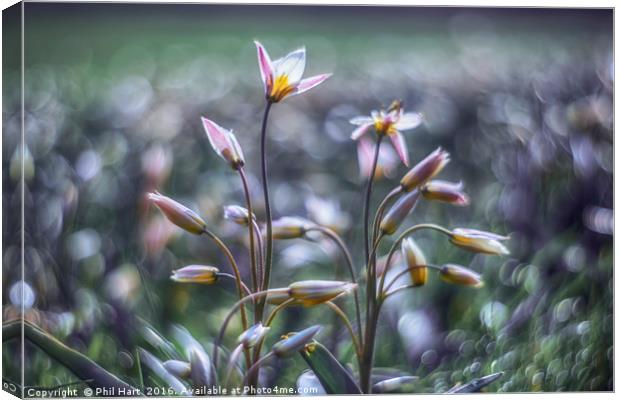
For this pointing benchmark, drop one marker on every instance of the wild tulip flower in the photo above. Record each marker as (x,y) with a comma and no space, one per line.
(224,143)
(237,214)
(399,211)
(416,262)
(290,227)
(425,170)
(390,123)
(311,293)
(253,335)
(459,275)
(386,164)
(479,241)
(178,214)
(196,274)
(292,343)
(447,192)
(282,77)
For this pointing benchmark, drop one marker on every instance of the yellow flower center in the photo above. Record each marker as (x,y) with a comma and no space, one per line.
(281,88)
(384,126)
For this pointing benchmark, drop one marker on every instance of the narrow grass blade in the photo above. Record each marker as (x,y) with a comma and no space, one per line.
(162,373)
(83,367)
(334,378)
(477,384)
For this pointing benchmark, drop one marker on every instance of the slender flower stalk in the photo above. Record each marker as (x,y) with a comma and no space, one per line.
(250,224)
(268,220)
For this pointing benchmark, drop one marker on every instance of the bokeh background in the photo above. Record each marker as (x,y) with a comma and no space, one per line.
(521,98)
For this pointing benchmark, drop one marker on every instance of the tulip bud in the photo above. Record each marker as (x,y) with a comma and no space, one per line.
(416,262)
(237,214)
(276,298)
(399,211)
(178,214)
(224,143)
(445,191)
(290,227)
(459,275)
(253,335)
(180,369)
(311,293)
(201,368)
(394,384)
(425,170)
(292,343)
(195,274)
(479,241)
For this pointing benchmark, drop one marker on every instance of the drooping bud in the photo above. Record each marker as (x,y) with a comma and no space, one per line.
(253,335)
(448,192)
(399,211)
(277,297)
(178,214)
(196,274)
(479,241)
(459,275)
(290,227)
(416,262)
(311,293)
(180,369)
(224,143)
(425,170)
(292,343)
(237,214)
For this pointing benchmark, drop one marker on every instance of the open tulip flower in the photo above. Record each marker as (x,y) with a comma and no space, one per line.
(282,77)
(391,123)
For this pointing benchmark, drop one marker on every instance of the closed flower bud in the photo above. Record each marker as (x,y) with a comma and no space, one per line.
(237,214)
(445,191)
(277,298)
(425,170)
(394,384)
(201,368)
(416,262)
(458,275)
(292,343)
(224,143)
(399,211)
(180,369)
(290,227)
(311,293)
(479,241)
(196,274)
(253,335)
(178,214)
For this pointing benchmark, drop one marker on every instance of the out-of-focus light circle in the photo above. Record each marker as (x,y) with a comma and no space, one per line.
(22,294)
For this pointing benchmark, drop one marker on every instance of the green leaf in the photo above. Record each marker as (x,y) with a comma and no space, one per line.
(332,375)
(83,367)
(476,384)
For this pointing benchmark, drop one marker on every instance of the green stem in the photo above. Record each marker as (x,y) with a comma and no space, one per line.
(268,220)
(238,282)
(371,178)
(248,201)
(237,306)
(347,255)
(401,238)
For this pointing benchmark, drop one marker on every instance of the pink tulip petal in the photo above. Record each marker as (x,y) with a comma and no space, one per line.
(309,83)
(408,121)
(361,120)
(398,140)
(364,156)
(360,131)
(218,136)
(266,69)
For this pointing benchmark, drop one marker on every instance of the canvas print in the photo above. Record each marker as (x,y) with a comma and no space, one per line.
(212,199)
